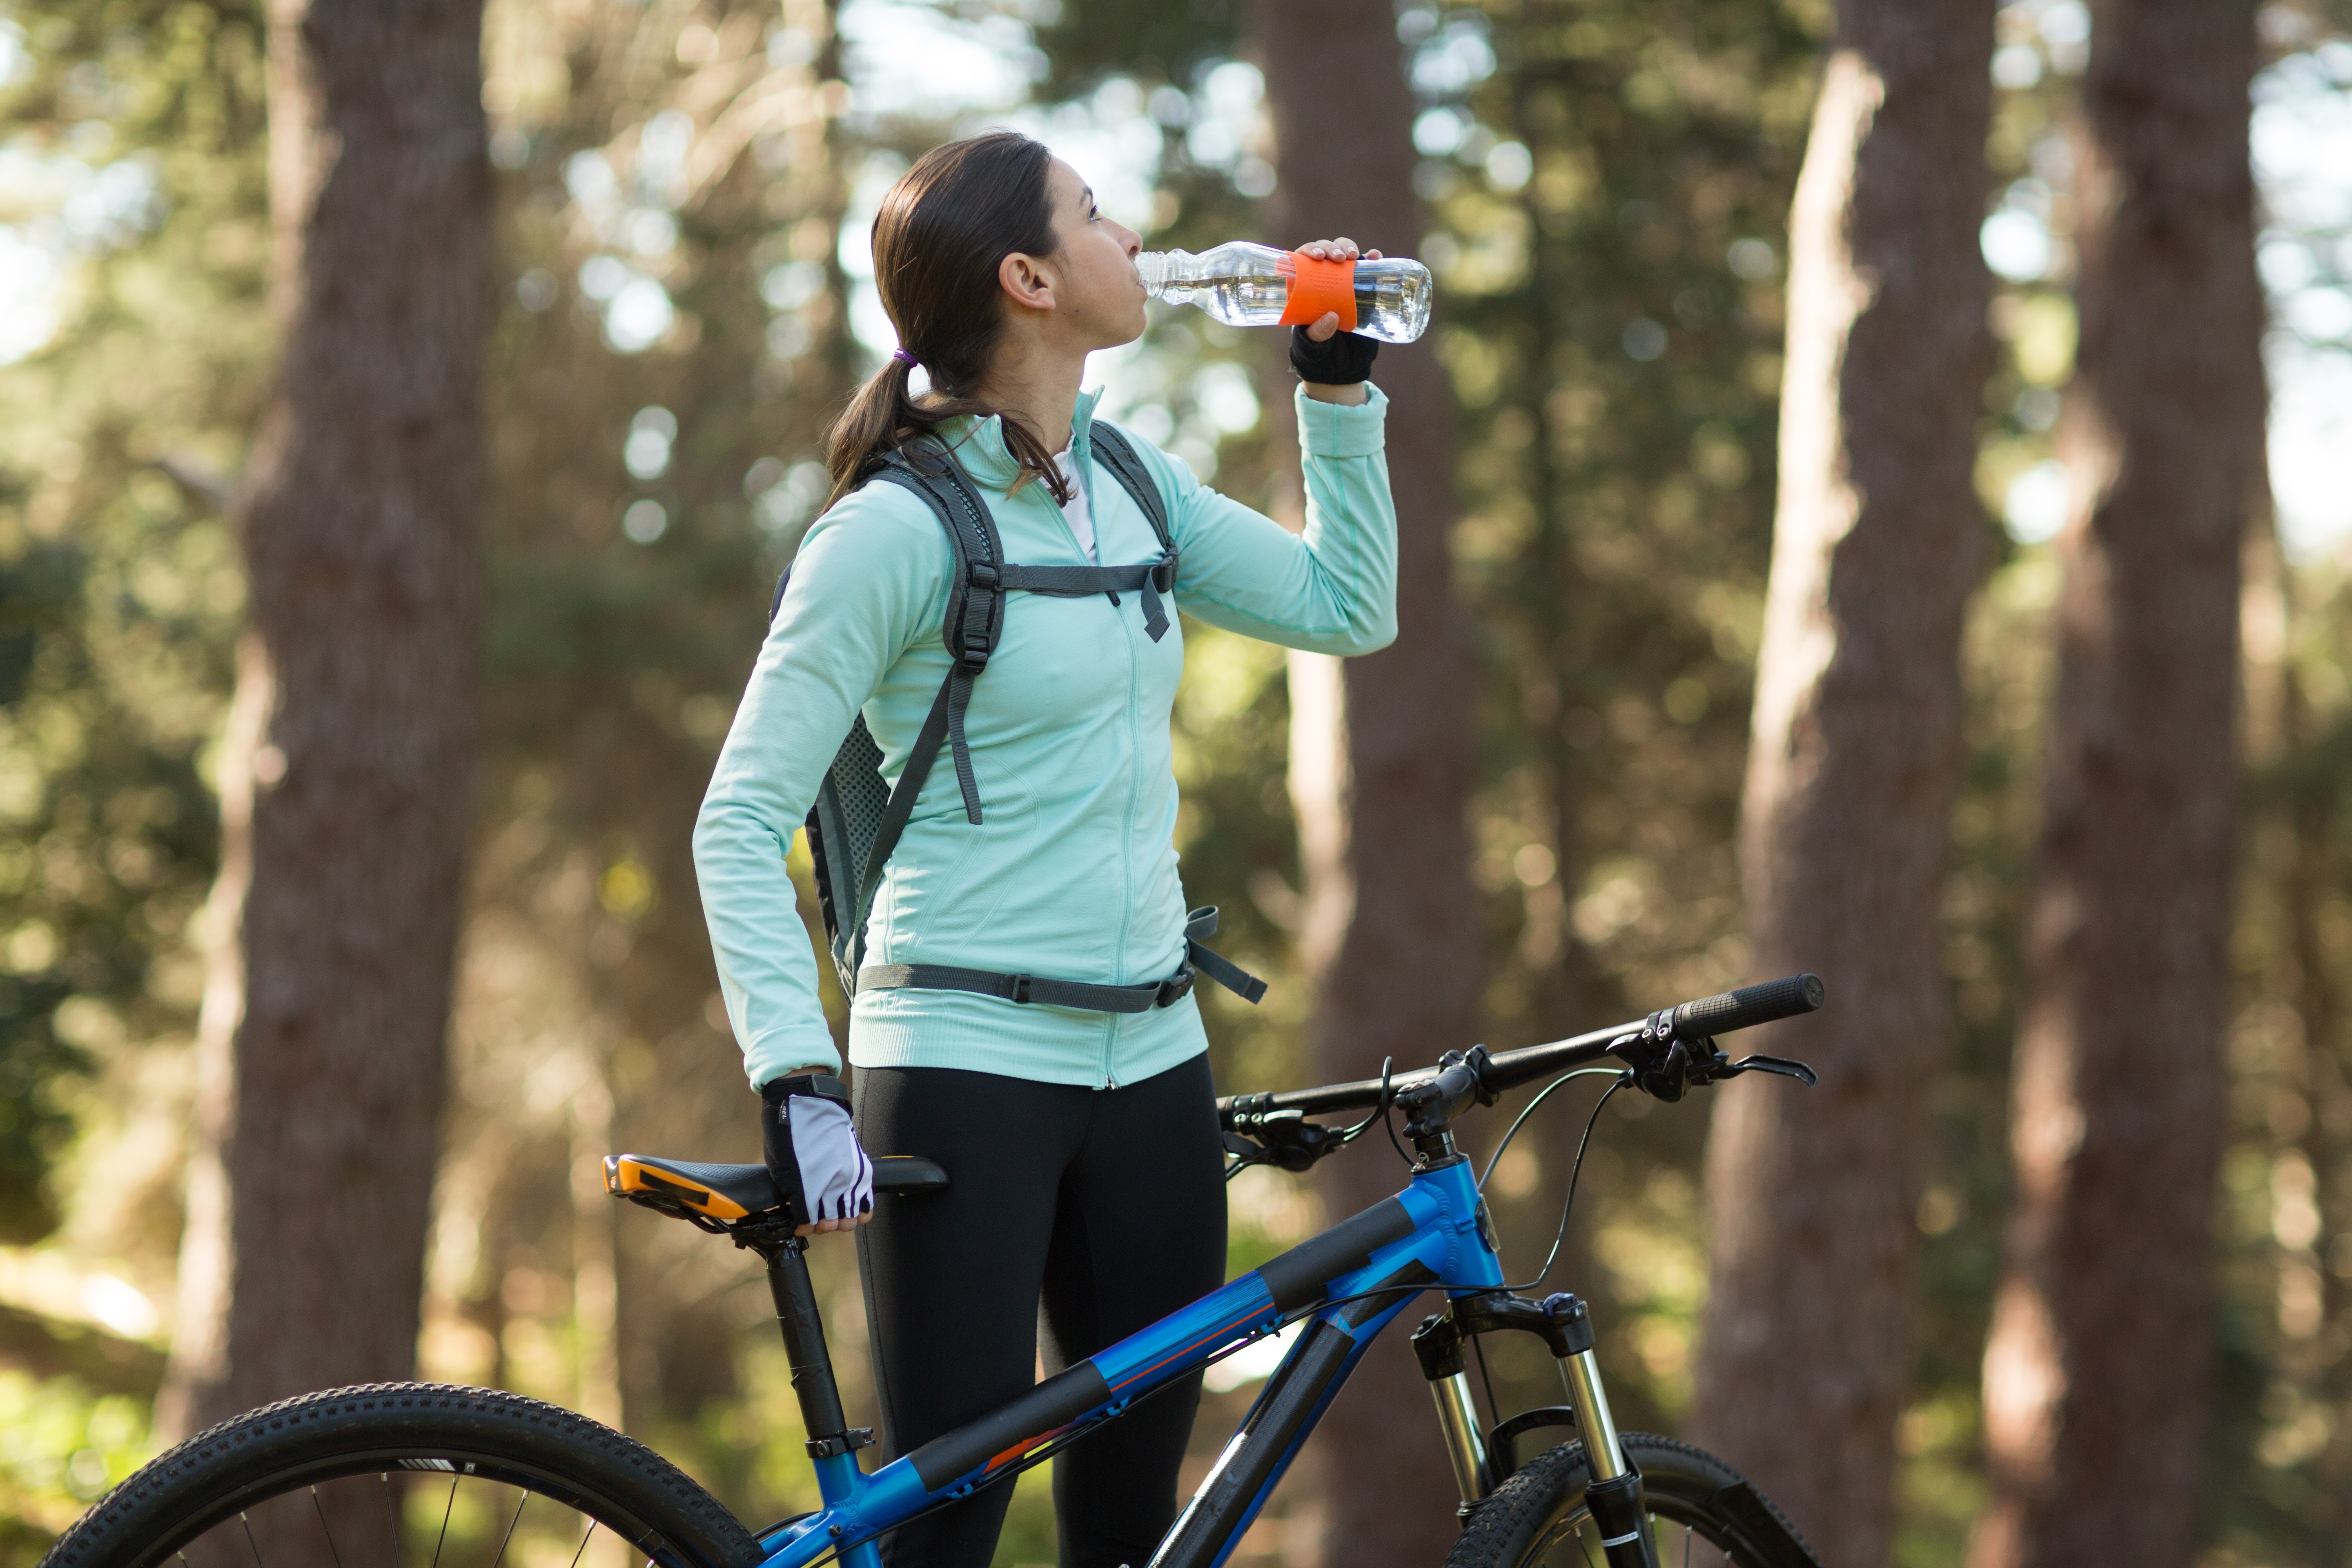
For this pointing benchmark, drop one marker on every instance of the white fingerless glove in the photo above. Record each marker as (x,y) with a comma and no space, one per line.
(812,1149)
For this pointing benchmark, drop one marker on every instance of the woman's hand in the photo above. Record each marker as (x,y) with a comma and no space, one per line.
(1324,327)
(812,1153)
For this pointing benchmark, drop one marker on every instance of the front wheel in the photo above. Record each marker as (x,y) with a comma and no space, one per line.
(1702,1514)
(402,1475)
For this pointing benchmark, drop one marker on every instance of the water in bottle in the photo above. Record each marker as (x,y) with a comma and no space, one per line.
(1245,285)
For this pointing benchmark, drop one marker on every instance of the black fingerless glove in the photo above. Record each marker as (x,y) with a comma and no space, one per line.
(1344,361)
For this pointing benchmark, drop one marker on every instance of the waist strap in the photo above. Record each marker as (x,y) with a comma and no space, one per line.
(1084,995)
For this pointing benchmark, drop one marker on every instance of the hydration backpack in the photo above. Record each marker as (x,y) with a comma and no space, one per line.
(857,818)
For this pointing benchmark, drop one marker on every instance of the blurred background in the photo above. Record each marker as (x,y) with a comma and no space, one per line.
(674,196)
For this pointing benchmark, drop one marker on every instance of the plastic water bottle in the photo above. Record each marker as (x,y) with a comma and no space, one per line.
(1245,285)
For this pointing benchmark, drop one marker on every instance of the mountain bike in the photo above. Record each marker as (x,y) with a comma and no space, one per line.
(393,1474)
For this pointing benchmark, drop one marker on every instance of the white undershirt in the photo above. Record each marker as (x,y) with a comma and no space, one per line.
(1081,520)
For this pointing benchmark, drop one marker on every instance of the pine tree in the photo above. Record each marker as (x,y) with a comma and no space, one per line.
(1806,1359)
(2098,1373)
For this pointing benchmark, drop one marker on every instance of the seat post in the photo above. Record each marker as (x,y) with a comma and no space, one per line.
(829,1433)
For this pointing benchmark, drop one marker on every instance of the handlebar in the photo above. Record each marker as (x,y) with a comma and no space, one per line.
(1458,1081)
(1749,1005)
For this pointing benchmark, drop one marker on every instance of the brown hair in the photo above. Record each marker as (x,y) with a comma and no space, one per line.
(942,230)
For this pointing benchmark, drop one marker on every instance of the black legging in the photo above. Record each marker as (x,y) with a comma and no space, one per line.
(1108,1206)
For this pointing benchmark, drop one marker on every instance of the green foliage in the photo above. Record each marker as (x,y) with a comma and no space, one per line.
(62,1447)
(137,129)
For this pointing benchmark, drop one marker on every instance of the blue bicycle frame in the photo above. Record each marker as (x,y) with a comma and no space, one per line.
(1366,1271)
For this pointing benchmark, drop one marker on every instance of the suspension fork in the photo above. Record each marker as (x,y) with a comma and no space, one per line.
(1438,1345)
(1565,1324)
(1614,1493)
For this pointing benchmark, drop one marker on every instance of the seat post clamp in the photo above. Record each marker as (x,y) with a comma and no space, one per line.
(856,1438)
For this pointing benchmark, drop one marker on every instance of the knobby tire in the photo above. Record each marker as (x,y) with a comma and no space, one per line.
(1704,1514)
(413,1437)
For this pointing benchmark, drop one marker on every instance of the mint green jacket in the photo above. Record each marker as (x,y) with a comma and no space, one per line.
(1072,874)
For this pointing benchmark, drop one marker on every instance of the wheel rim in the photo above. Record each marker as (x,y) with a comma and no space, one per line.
(413,1511)
(1684,1536)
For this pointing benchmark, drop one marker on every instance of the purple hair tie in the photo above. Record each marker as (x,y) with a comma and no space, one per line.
(903,357)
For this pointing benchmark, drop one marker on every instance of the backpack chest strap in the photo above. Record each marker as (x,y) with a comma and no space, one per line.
(1149,578)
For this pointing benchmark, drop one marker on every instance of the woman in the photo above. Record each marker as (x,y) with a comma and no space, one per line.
(1082,1147)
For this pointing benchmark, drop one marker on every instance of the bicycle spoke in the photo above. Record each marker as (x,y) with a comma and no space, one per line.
(325,1528)
(248,1538)
(511,1529)
(583,1544)
(445,1508)
(393,1515)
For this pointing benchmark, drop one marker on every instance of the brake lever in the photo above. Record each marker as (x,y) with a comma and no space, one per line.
(1780,1066)
(1285,1139)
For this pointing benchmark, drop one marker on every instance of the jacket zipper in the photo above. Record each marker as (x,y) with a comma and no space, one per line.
(1127,626)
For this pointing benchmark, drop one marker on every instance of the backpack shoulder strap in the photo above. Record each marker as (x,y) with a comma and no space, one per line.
(973,621)
(1116,452)
(975,607)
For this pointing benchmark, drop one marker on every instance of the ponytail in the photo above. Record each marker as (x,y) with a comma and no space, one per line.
(938,240)
(882,417)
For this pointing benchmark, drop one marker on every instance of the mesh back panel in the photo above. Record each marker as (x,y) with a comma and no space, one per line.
(856,779)
(847,814)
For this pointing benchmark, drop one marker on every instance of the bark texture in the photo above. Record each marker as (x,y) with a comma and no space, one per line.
(1382,752)
(1852,769)
(346,776)
(2097,1373)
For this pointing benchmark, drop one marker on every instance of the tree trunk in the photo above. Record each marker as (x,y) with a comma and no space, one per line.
(2098,1371)
(1852,769)
(346,776)
(1382,750)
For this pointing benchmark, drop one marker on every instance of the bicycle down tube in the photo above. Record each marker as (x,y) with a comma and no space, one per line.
(1428,1236)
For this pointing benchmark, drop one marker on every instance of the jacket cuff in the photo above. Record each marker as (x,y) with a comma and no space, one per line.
(791,1050)
(1340,429)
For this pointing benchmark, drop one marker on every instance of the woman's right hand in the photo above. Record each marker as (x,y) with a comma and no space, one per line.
(1332,372)
(814,1155)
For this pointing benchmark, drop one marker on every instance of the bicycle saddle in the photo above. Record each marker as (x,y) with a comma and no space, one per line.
(738,1191)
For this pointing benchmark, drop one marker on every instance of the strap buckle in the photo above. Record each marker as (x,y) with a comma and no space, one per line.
(1163,572)
(1016,987)
(984,574)
(1174,989)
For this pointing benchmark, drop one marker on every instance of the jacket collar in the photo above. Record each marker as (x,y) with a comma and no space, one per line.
(979,444)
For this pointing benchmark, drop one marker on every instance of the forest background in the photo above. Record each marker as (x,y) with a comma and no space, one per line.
(679,204)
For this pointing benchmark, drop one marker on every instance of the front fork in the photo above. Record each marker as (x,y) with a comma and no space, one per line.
(1614,1493)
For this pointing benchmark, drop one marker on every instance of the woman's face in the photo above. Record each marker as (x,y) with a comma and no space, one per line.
(1100,302)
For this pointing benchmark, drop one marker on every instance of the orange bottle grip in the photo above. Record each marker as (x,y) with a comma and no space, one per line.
(1317,285)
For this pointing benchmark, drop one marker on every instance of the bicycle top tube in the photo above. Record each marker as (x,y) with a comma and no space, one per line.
(1365,1271)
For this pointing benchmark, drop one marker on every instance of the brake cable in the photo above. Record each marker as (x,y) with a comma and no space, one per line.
(1520,1120)
(1574,1171)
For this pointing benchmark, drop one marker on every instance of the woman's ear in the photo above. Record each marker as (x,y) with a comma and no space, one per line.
(1027,281)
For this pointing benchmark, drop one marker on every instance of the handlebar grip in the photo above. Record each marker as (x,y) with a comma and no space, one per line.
(1749,1005)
